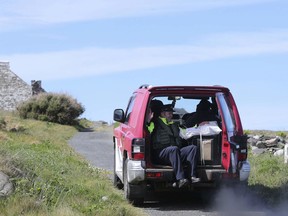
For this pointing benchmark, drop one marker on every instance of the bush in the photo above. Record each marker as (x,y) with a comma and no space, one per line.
(281,134)
(57,108)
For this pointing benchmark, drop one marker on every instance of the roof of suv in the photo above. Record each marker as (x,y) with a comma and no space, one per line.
(174,89)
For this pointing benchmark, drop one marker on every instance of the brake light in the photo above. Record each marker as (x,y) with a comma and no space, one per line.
(242,155)
(138,156)
(138,149)
(154,174)
(229,175)
(241,144)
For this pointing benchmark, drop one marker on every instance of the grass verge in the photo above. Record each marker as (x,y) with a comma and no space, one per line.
(49,177)
(268,178)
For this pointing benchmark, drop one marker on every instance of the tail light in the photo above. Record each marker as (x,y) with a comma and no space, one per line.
(138,149)
(241,143)
(229,175)
(242,155)
(154,174)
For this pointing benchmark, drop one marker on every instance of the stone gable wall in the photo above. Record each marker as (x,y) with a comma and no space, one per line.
(13,90)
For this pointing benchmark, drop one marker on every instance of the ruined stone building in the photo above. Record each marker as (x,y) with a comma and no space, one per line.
(13,90)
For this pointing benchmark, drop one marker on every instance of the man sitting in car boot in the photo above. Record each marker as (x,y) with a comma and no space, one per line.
(168,150)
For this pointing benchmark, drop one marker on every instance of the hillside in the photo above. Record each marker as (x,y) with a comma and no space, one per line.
(49,178)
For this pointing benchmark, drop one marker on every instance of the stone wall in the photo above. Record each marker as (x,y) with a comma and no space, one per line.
(13,89)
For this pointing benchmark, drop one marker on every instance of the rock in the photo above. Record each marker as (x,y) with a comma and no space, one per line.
(254,147)
(281,139)
(257,137)
(6,187)
(257,151)
(104,198)
(272,142)
(276,145)
(261,144)
(280,145)
(279,152)
(252,141)
(267,143)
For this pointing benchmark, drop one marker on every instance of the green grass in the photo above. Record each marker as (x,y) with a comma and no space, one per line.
(267,133)
(49,177)
(268,178)
(269,175)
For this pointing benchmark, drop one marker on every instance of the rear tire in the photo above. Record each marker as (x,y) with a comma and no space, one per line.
(133,193)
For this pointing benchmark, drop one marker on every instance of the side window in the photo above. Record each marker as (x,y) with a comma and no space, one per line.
(130,108)
(227,113)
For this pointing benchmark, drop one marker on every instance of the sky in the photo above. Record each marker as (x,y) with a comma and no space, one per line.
(100,51)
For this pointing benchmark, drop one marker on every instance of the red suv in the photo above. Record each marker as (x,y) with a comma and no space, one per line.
(222,145)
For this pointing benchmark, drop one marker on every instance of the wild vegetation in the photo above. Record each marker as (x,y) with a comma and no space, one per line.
(268,176)
(51,107)
(49,177)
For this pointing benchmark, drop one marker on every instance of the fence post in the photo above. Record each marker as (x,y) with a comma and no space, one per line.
(286,153)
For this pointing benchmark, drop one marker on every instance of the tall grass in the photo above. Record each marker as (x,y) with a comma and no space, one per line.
(269,178)
(49,177)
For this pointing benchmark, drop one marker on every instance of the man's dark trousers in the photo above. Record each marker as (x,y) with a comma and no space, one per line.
(176,157)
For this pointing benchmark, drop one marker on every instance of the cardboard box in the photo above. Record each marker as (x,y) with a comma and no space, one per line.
(211,149)
(205,149)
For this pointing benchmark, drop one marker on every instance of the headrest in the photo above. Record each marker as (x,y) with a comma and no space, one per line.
(204,105)
(167,108)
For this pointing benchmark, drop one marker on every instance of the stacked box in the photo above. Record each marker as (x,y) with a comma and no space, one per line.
(205,149)
(211,149)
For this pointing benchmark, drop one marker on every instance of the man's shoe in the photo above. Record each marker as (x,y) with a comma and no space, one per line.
(182,183)
(195,180)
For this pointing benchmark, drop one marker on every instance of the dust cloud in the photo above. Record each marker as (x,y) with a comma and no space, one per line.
(242,202)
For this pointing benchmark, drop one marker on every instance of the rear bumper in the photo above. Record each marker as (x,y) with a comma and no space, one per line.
(136,172)
(166,173)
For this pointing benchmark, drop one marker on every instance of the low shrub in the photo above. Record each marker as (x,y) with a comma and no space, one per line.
(282,134)
(51,107)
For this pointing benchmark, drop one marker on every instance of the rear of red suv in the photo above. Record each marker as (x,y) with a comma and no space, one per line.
(221,144)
